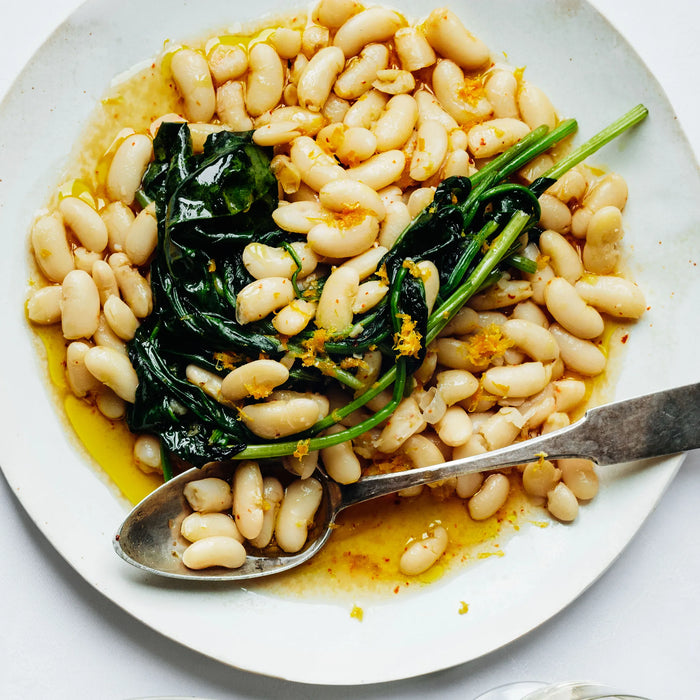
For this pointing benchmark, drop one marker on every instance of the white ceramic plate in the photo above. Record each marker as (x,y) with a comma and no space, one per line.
(590,73)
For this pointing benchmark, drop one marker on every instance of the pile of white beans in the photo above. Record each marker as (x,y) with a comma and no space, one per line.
(366,114)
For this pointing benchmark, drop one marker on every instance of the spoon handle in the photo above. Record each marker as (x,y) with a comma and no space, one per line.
(653,425)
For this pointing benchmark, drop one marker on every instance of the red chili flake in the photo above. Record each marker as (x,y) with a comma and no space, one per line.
(625,338)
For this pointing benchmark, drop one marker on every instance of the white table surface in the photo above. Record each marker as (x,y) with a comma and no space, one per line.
(637,627)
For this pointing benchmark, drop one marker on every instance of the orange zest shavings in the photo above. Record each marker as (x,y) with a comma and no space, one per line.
(407,342)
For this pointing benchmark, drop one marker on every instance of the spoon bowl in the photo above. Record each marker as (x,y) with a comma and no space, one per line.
(652,425)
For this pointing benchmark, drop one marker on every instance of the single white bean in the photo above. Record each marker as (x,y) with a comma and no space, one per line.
(515,381)
(340,461)
(44,305)
(85,223)
(345,236)
(535,107)
(228,62)
(582,356)
(554,214)
(579,475)
(404,422)
(413,49)
(214,551)
(142,236)
(193,79)
(613,295)
(80,305)
(563,257)
(380,170)
(247,491)
(273,493)
(455,427)
(128,166)
(147,453)
(334,310)
(114,369)
(495,136)
(344,196)
(135,289)
(334,13)
(501,428)
(260,298)
(318,77)
(296,514)
(265,79)
(361,72)
(451,39)
(208,382)
(231,107)
(604,233)
(262,261)
(431,150)
(456,385)
(257,378)
(198,526)
(280,418)
(118,218)
(208,495)
(294,317)
(50,246)
(571,311)
(562,503)
(421,554)
(501,88)
(376,24)
(532,338)
(120,317)
(80,380)
(540,477)
(490,498)
(448,84)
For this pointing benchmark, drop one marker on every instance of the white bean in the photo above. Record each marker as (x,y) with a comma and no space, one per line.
(317,79)
(208,382)
(563,257)
(117,217)
(562,503)
(582,356)
(265,79)
(280,418)
(247,490)
(50,246)
(421,554)
(579,475)
(515,381)
(262,261)
(334,310)
(114,369)
(613,295)
(340,460)
(540,477)
(294,317)
(532,339)
(231,107)
(448,84)
(257,378)
(455,427)
(85,223)
(380,170)
(495,136)
(604,233)
(120,317)
(568,393)
(344,196)
(361,72)
(375,24)
(208,495)
(228,62)
(413,49)
(301,216)
(334,13)
(501,88)
(273,493)
(431,150)
(456,385)
(198,526)
(214,551)
(80,380)
(451,39)
(44,305)
(147,452)
(395,125)
(80,305)
(315,166)
(296,514)
(404,422)
(369,294)
(394,81)
(554,214)
(105,280)
(535,107)
(193,80)
(135,289)
(490,498)
(128,166)
(260,298)
(345,236)
(501,428)
(571,311)
(366,263)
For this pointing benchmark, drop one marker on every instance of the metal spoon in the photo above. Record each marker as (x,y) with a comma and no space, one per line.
(654,425)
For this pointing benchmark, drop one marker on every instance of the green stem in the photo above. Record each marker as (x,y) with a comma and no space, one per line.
(634,116)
